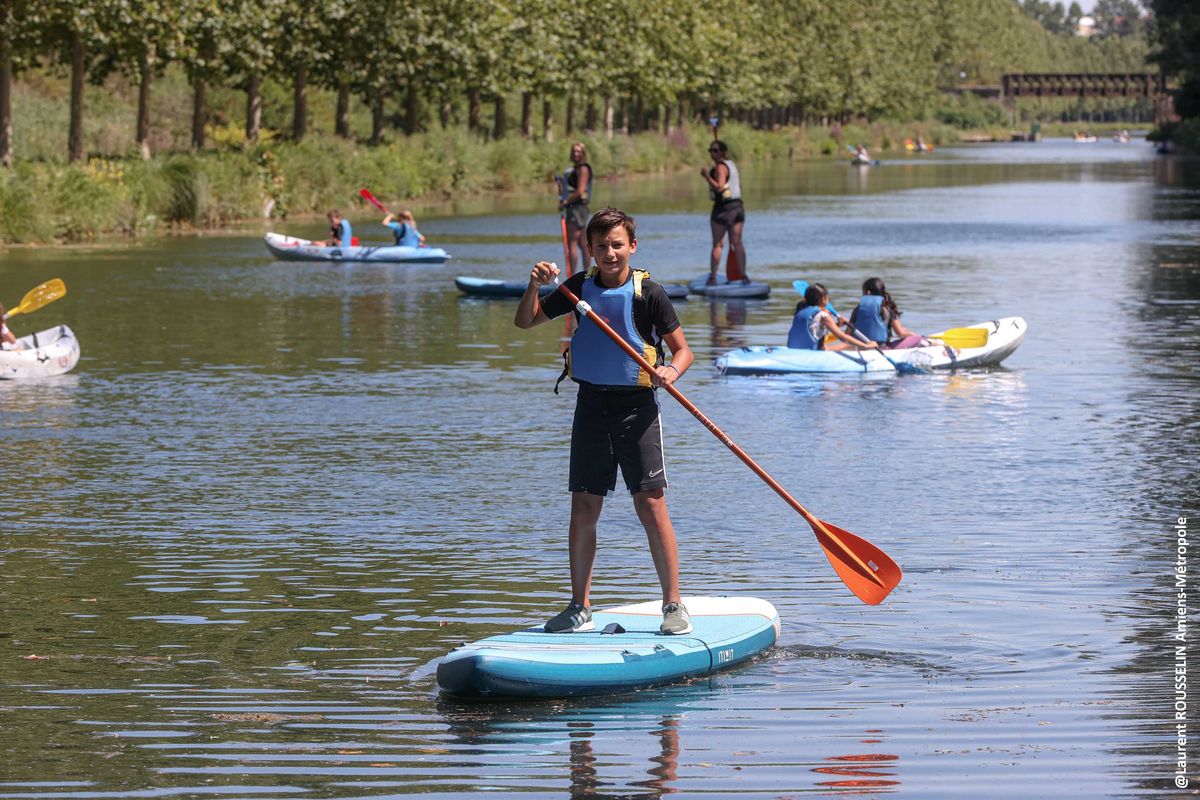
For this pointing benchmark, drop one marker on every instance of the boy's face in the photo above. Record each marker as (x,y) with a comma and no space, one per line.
(612,251)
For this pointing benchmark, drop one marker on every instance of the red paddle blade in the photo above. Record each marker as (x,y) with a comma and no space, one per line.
(837,543)
(365,194)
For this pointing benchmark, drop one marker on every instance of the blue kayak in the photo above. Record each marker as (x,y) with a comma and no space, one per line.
(490,287)
(290,248)
(624,652)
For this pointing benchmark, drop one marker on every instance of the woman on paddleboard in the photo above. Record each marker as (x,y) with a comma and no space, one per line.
(616,410)
(575,192)
(728,214)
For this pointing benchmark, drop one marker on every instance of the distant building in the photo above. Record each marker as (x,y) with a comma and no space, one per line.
(1086,26)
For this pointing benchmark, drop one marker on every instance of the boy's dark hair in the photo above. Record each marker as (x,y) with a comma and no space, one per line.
(608,218)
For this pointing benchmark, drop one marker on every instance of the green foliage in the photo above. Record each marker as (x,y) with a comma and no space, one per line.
(969,111)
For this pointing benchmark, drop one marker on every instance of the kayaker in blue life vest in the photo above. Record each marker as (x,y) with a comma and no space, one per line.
(404,228)
(340,234)
(728,215)
(813,321)
(575,193)
(616,420)
(878,319)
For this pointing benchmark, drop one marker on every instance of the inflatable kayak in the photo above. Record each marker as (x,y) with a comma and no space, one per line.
(625,652)
(489,287)
(289,248)
(1004,337)
(723,288)
(38,355)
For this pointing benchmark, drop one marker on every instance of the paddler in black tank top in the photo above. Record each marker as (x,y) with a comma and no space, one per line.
(576,182)
(728,214)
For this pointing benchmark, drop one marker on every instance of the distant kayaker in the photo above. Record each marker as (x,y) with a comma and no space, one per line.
(728,215)
(340,234)
(878,319)
(7,339)
(575,193)
(404,228)
(616,411)
(861,156)
(813,321)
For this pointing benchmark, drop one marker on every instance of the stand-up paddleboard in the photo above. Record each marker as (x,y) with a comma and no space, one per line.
(624,652)
(723,288)
(490,287)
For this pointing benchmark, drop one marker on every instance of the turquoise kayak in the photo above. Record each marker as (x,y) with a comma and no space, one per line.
(624,652)
(490,287)
(1004,336)
(290,248)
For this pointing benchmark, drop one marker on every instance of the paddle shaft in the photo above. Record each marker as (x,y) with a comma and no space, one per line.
(817,524)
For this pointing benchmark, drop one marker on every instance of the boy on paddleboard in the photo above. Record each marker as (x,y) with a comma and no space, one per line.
(616,410)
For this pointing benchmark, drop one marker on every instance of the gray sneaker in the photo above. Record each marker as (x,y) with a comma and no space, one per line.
(675,619)
(572,619)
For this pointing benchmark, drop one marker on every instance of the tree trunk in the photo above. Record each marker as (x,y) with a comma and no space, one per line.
(589,115)
(444,112)
(6,79)
(341,114)
(254,107)
(570,126)
(664,114)
(412,108)
(474,108)
(75,134)
(300,103)
(199,112)
(608,116)
(639,115)
(547,119)
(145,76)
(526,114)
(377,119)
(500,123)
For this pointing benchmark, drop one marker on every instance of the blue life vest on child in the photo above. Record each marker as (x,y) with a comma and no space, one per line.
(406,235)
(869,319)
(593,356)
(805,333)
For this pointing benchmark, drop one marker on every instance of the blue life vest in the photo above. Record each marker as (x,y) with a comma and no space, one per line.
(593,356)
(347,239)
(805,333)
(406,235)
(869,319)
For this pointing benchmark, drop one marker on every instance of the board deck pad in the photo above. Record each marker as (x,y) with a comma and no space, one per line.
(532,663)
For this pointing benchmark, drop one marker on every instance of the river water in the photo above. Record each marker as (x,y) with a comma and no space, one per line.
(240,534)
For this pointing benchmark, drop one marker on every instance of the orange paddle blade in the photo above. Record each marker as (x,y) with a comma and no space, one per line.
(870,588)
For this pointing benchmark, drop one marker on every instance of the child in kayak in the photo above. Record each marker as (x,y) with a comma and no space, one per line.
(340,234)
(7,338)
(616,410)
(878,319)
(813,321)
(404,228)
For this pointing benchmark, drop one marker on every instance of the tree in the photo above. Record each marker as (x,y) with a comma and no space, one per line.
(1176,34)
(1118,18)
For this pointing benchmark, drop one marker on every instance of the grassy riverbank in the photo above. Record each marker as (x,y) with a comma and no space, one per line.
(44,201)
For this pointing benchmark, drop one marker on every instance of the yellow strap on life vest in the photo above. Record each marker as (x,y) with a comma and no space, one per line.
(639,275)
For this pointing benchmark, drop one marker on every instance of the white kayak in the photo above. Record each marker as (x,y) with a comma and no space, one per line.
(1004,337)
(53,351)
(290,248)
(724,288)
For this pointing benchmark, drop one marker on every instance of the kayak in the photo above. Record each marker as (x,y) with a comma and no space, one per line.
(723,288)
(489,287)
(625,652)
(289,248)
(39,355)
(1004,337)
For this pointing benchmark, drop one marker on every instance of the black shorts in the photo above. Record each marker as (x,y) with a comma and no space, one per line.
(728,213)
(612,428)
(577,215)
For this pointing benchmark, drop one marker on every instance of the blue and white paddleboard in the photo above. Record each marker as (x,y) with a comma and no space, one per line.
(723,288)
(631,655)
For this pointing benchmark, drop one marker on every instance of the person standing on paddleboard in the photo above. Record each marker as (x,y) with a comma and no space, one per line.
(728,214)
(616,410)
(576,183)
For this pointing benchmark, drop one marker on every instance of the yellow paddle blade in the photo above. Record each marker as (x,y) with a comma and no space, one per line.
(962,337)
(39,296)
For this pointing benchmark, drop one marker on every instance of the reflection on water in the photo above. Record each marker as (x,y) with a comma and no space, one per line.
(239,536)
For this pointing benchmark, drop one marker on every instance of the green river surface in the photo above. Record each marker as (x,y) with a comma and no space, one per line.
(240,534)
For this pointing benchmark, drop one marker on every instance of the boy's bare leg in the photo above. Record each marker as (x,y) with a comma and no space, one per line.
(585,513)
(651,507)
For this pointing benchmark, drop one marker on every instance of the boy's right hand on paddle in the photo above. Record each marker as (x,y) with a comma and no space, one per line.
(543,272)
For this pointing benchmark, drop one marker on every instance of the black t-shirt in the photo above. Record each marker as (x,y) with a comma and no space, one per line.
(653,315)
